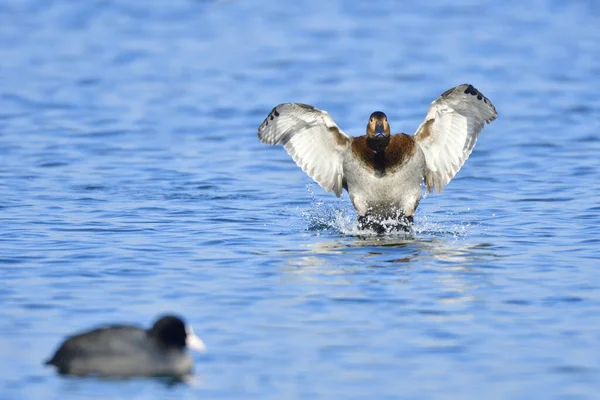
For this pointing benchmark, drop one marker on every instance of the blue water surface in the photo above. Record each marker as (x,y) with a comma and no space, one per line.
(132,183)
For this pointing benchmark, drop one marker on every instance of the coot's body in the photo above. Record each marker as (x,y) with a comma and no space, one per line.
(126,351)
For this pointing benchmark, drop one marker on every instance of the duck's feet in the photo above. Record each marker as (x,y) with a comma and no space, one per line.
(382,225)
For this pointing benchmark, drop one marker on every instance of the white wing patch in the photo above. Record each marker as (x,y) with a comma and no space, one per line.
(449,132)
(313,140)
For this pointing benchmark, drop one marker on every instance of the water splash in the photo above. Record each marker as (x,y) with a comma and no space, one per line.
(339,217)
(426,225)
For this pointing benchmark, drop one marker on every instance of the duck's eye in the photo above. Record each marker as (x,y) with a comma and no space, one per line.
(371,120)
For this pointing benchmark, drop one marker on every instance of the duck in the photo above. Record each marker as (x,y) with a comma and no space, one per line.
(123,351)
(383,173)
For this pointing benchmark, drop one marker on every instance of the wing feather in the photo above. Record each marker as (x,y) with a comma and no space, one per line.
(450,130)
(311,138)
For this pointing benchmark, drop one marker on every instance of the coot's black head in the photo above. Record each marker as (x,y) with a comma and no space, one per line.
(378,126)
(170,331)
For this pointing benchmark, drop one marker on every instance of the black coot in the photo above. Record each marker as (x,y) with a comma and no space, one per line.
(125,351)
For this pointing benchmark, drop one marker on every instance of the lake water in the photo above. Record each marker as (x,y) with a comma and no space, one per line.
(132,183)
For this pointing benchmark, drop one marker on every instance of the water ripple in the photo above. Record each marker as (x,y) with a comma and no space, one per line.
(133,184)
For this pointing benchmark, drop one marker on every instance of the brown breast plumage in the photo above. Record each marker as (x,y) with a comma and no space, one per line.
(396,154)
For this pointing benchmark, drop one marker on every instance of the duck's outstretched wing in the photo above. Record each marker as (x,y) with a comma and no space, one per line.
(449,132)
(313,140)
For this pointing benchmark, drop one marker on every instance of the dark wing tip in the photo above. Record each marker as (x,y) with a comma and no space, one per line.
(470,89)
(265,134)
(467,88)
(272,115)
(462,86)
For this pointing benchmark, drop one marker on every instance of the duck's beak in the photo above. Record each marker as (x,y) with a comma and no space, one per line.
(379,131)
(192,341)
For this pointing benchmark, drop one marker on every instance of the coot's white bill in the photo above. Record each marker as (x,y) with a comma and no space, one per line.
(192,341)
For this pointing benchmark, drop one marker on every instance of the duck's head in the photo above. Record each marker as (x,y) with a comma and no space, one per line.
(378,126)
(378,132)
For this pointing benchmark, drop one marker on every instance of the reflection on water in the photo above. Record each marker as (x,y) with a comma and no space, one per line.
(446,263)
(400,249)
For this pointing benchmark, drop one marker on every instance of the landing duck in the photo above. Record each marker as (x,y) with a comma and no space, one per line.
(381,172)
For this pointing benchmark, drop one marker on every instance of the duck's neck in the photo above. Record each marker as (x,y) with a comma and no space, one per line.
(378,145)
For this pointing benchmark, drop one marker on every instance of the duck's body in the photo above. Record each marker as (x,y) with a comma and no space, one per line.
(385,184)
(382,173)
